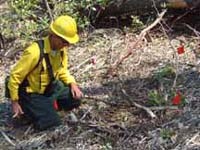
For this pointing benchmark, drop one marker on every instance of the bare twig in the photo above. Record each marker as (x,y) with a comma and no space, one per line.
(176,57)
(97,99)
(28,130)
(164,108)
(177,64)
(146,109)
(197,33)
(192,140)
(88,111)
(49,10)
(139,106)
(181,16)
(7,138)
(2,42)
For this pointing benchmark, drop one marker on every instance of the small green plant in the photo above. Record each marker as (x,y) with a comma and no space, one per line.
(137,24)
(107,146)
(24,8)
(22,20)
(165,72)
(155,98)
(166,133)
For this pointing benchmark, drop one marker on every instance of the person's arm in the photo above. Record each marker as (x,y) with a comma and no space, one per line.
(67,78)
(26,63)
(64,74)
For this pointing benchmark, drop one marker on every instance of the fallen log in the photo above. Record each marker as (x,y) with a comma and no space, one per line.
(128,7)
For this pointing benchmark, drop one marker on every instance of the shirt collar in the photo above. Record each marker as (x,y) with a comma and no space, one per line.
(47,47)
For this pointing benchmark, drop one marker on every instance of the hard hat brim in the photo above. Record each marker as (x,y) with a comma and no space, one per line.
(71,40)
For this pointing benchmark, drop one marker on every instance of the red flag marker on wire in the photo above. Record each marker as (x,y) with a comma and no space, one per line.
(176,100)
(180,49)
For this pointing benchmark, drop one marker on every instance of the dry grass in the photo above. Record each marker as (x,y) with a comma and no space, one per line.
(107,120)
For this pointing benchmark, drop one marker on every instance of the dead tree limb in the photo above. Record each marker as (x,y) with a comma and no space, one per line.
(149,111)
(137,42)
(7,138)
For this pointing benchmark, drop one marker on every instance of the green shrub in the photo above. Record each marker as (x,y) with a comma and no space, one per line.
(24,8)
(27,19)
(166,133)
(155,98)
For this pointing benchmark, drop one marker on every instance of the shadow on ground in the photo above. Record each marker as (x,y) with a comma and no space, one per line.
(110,117)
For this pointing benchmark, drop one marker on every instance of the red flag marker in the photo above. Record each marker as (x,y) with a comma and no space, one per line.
(180,49)
(176,99)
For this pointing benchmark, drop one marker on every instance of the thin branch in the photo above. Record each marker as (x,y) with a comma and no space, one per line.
(134,45)
(88,111)
(7,138)
(146,109)
(49,10)
(139,106)
(174,49)
(177,64)
(181,16)
(197,33)
(164,108)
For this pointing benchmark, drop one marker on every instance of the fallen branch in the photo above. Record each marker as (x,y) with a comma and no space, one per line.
(7,138)
(88,111)
(197,33)
(177,65)
(164,108)
(145,108)
(28,130)
(139,39)
(181,16)
(193,140)
(97,99)
(139,106)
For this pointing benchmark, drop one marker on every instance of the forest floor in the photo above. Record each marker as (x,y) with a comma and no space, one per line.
(131,107)
(108,118)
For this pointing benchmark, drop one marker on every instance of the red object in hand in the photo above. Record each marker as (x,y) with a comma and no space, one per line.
(177,99)
(55,104)
(180,49)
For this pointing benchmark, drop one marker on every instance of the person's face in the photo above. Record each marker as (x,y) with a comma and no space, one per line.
(58,43)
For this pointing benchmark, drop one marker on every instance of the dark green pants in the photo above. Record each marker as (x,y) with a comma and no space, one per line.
(39,108)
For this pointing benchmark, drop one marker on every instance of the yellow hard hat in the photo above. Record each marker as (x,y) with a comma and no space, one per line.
(66,28)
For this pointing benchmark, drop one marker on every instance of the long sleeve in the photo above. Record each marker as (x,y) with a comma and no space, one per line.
(64,74)
(26,63)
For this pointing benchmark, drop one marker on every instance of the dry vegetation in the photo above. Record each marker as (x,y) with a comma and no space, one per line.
(114,111)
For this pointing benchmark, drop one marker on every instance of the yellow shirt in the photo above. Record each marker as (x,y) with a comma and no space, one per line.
(37,79)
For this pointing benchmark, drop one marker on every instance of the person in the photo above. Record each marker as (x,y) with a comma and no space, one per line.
(31,99)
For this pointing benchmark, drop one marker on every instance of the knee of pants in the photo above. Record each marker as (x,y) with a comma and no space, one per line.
(45,123)
(68,105)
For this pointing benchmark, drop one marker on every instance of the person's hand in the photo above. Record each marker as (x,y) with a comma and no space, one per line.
(76,92)
(17,110)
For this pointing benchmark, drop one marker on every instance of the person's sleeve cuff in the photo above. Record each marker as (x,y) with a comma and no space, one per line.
(14,96)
